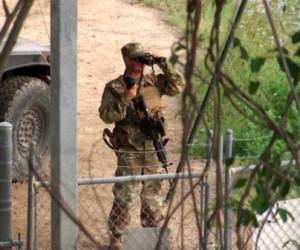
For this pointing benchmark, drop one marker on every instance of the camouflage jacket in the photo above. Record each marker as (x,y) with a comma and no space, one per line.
(116,109)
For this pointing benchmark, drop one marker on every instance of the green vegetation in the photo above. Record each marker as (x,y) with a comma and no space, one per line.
(252,64)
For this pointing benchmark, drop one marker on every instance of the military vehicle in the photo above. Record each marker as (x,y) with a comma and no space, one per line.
(25,101)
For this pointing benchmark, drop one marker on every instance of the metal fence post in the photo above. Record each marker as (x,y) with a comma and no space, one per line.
(206,211)
(209,144)
(35,199)
(227,209)
(30,206)
(228,143)
(63,122)
(219,179)
(6,153)
(202,210)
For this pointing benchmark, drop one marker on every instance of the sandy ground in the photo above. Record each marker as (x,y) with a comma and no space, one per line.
(103,27)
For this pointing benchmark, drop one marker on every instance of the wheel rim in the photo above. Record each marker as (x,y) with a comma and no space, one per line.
(31,128)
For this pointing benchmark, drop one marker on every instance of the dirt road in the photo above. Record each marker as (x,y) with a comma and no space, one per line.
(103,27)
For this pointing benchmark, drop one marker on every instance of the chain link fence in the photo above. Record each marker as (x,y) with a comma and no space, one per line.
(95,203)
(185,226)
(274,232)
(278,226)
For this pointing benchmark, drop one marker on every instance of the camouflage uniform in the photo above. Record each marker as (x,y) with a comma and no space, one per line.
(132,145)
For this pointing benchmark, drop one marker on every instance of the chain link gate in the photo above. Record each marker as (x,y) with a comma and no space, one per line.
(95,201)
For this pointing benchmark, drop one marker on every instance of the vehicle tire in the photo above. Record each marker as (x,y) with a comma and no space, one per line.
(25,103)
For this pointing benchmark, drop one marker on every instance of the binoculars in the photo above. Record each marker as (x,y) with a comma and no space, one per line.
(150,60)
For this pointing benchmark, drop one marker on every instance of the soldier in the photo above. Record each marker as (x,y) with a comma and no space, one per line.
(133,149)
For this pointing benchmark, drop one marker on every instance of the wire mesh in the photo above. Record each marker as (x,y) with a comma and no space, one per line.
(277,234)
(95,203)
(278,229)
(183,230)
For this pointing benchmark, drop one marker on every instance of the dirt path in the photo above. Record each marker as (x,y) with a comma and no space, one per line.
(103,27)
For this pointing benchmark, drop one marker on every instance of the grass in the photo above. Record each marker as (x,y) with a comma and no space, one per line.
(256,41)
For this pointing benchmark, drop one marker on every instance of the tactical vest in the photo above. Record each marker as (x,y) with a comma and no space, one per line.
(129,130)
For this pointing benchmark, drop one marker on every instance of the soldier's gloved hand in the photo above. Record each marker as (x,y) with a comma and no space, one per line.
(131,93)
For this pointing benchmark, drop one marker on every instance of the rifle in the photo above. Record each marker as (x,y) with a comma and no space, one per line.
(153,128)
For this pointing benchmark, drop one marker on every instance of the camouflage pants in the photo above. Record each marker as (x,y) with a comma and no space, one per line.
(131,162)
